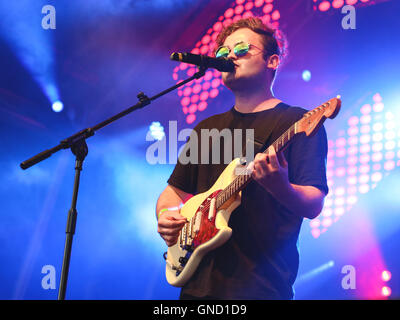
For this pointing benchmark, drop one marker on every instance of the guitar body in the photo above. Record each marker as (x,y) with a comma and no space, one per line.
(212,233)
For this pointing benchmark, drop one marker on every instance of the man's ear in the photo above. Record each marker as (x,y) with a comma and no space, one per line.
(273,62)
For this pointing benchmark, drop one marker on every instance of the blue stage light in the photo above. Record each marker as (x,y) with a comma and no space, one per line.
(57,106)
(306,75)
(157,130)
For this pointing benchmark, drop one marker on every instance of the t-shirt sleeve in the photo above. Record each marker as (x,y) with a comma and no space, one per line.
(184,176)
(307,160)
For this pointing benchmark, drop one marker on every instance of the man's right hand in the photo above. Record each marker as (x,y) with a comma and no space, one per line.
(169,225)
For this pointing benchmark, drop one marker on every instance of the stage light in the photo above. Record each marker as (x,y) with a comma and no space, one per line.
(157,130)
(57,106)
(31,44)
(324,6)
(386,291)
(315,272)
(386,275)
(306,75)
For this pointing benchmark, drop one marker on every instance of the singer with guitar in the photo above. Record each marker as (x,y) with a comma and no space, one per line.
(259,258)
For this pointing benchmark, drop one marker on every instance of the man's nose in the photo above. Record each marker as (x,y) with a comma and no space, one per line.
(232,55)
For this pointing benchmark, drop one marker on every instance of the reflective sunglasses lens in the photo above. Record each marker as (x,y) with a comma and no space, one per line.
(241,49)
(222,52)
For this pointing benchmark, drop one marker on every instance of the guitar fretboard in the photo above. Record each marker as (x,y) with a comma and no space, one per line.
(244,177)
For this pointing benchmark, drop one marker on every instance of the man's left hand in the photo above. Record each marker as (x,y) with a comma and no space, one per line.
(270,170)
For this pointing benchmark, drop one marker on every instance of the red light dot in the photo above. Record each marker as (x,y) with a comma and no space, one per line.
(217,26)
(258,3)
(197,88)
(214,36)
(337,3)
(204,49)
(240,1)
(215,83)
(353,121)
(315,233)
(377,97)
(192,108)
(239,9)
(378,107)
(185,110)
(214,93)
(191,72)
(216,73)
(208,75)
(324,6)
(265,19)
(352,131)
(389,165)
(185,101)
(206,85)
(268,8)
(175,76)
(187,91)
(351,2)
(247,14)
(191,118)
(202,105)
(315,223)
(206,39)
(275,15)
(227,22)
(204,96)
(327,222)
(194,98)
(248,6)
(229,13)
(183,66)
(237,18)
(195,51)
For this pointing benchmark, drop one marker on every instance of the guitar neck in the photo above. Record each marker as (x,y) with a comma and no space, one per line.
(244,177)
(308,124)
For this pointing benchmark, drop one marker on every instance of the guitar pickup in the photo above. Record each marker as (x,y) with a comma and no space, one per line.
(212,209)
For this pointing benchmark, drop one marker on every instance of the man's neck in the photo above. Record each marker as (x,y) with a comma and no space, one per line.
(255,102)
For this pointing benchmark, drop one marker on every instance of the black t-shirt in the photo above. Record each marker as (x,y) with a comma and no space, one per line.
(260,260)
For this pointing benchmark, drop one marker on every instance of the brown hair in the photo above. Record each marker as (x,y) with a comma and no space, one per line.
(273,40)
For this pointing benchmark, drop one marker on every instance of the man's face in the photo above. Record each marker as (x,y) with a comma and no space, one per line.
(251,69)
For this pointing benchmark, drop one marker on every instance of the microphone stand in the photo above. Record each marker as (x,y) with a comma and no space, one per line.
(78,146)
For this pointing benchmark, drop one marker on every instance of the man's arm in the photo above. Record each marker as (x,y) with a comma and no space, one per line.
(271,171)
(306,201)
(170,222)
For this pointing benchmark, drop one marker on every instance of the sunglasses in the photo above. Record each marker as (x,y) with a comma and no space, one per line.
(240,49)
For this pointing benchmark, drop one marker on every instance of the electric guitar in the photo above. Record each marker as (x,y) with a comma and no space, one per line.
(208,213)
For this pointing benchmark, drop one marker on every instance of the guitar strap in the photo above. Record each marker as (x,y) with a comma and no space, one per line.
(261,143)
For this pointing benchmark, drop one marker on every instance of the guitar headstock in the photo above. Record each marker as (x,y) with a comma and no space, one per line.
(313,120)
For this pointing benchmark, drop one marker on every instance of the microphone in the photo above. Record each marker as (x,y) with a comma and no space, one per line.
(221,64)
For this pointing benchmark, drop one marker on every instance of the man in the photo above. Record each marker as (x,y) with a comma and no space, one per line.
(260,260)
